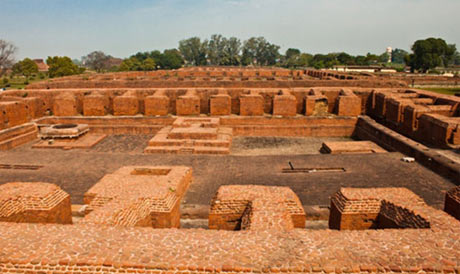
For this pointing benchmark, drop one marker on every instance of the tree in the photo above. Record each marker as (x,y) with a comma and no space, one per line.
(291,58)
(62,66)
(430,53)
(97,60)
(26,67)
(215,49)
(171,59)
(7,51)
(232,50)
(258,51)
(148,64)
(398,55)
(193,51)
(346,59)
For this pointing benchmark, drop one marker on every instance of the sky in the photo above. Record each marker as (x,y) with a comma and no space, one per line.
(74,28)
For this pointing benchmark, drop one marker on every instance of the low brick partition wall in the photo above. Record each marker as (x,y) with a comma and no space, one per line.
(359,209)
(252,207)
(18,135)
(34,203)
(369,129)
(147,196)
(452,202)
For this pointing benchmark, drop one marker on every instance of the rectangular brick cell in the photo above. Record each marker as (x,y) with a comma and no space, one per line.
(127,104)
(316,103)
(251,104)
(66,104)
(254,207)
(220,104)
(157,104)
(96,105)
(188,104)
(12,114)
(348,104)
(366,208)
(34,203)
(284,104)
(147,196)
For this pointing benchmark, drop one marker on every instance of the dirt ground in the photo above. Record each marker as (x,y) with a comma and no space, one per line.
(77,170)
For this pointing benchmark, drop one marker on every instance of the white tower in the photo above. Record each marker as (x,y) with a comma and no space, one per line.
(389,53)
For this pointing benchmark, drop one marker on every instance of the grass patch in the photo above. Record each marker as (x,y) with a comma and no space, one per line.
(449,91)
(20,82)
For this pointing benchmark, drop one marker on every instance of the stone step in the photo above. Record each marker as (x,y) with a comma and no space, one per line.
(18,140)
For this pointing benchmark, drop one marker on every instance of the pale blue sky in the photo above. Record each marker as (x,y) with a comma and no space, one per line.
(40,28)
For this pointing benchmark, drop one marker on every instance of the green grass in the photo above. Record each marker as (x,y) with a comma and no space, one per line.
(449,91)
(19,82)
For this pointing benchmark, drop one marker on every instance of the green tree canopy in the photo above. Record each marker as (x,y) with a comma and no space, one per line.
(193,51)
(258,51)
(62,66)
(26,67)
(430,53)
(398,55)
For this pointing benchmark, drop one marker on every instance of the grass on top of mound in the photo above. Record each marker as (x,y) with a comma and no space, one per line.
(449,91)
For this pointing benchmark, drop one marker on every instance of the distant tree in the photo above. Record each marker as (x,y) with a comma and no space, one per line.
(291,58)
(346,59)
(305,59)
(456,59)
(171,59)
(215,49)
(62,66)
(26,67)
(430,53)
(7,51)
(258,51)
(398,55)
(131,64)
(320,61)
(193,51)
(97,60)
(148,64)
(232,50)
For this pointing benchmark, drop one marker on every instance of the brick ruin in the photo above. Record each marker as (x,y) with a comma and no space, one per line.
(34,203)
(138,196)
(116,235)
(132,215)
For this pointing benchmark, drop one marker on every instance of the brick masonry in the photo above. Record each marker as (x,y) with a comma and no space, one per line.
(34,203)
(147,196)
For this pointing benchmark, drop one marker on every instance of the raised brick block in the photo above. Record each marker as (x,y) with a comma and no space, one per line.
(127,104)
(256,207)
(96,105)
(66,104)
(452,202)
(439,130)
(221,104)
(348,104)
(34,203)
(316,104)
(13,113)
(366,208)
(188,104)
(147,196)
(157,104)
(251,104)
(284,104)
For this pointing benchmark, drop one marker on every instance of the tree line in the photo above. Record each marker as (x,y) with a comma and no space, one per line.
(218,50)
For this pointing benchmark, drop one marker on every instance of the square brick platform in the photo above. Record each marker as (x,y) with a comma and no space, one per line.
(192,136)
(256,208)
(146,196)
(34,203)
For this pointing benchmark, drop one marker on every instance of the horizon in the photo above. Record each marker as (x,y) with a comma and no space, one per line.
(42,28)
